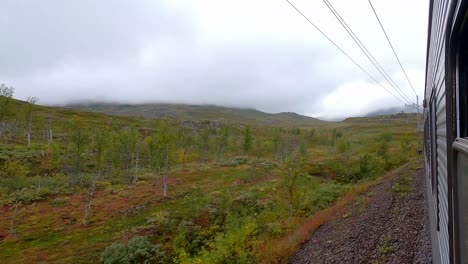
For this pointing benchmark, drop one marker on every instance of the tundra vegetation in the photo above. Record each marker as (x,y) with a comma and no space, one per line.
(79,186)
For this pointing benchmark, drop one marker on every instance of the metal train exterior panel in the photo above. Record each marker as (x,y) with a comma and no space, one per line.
(445,134)
(436,115)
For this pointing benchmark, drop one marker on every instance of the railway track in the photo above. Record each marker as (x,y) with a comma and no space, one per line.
(387,224)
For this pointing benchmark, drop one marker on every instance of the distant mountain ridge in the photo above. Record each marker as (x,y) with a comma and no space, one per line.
(391,111)
(200,112)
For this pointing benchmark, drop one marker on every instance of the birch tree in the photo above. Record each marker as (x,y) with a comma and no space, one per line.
(183,144)
(6,95)
(203,143)
(154,152)
(293,168)
(15,207)
(87,200)
(164,144)
(49,133)
(247,144)
(223,141)
(78,150)
(100,149)
(29,116)
(126,152)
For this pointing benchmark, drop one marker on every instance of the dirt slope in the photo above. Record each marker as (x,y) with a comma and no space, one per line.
(388,224)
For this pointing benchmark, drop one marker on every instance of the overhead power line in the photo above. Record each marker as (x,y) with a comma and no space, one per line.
(366,51)
(393,49)
(341,50)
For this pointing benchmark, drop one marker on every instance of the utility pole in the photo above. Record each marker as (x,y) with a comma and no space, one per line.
(417,114)
(416,106)
(418,121)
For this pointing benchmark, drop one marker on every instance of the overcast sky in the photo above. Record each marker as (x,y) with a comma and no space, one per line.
(245,53)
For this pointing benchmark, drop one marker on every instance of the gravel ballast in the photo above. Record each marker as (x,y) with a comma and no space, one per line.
(387,224)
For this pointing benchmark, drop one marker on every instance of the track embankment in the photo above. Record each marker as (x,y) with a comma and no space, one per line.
(387,224)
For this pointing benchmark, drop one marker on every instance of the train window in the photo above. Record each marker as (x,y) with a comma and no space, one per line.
(461,148)
(462,86)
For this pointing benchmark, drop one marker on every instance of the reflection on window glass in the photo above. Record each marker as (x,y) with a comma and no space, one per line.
(462,171)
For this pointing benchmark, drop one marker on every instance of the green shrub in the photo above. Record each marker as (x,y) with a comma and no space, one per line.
(27,188)
(137,250)
(266,164)
(102,185)
(275,229)
(60,201)
(158,218)
(383,149)
(365,166)
(235,161)
(14,169)
(190,238)
(326,194)
(246,203)
(385,137)
(342,172)
(236,245)
(343,145)
(406,144)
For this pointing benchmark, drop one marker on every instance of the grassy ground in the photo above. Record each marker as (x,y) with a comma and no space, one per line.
(213,213)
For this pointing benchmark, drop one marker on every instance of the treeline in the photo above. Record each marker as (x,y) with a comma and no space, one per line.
(85,151)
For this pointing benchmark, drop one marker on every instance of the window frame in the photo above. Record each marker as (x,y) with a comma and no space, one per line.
(458,94)
(461,80)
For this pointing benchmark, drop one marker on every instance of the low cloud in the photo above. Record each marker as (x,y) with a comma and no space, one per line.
(157,51)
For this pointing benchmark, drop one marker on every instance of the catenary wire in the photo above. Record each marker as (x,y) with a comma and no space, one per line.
(393,49)
(341,50)
(366,51)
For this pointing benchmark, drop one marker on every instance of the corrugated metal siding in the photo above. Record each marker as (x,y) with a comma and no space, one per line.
(435,79)
(442,193)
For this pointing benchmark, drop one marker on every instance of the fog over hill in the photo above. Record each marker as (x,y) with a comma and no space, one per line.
(200,112)
(392,111)
(218,113)
(201,52)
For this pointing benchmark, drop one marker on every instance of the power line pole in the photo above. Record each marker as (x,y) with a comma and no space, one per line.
(418,121)
(417,107)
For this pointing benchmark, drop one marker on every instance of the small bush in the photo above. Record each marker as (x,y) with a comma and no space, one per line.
(137,250)
(267,164)
(275,229)
(14,169)
(326,194)
(158,218)
(235,161)
(365,165)
(315,169)
(385,137)
(102,185)
(246,203)
(236,245)
(29,195)
(190,238)
(60,201)
(343,145)
(342,172)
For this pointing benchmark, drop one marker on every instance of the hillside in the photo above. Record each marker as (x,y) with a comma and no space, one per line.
(408,118)
(392,111)
(201,112)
